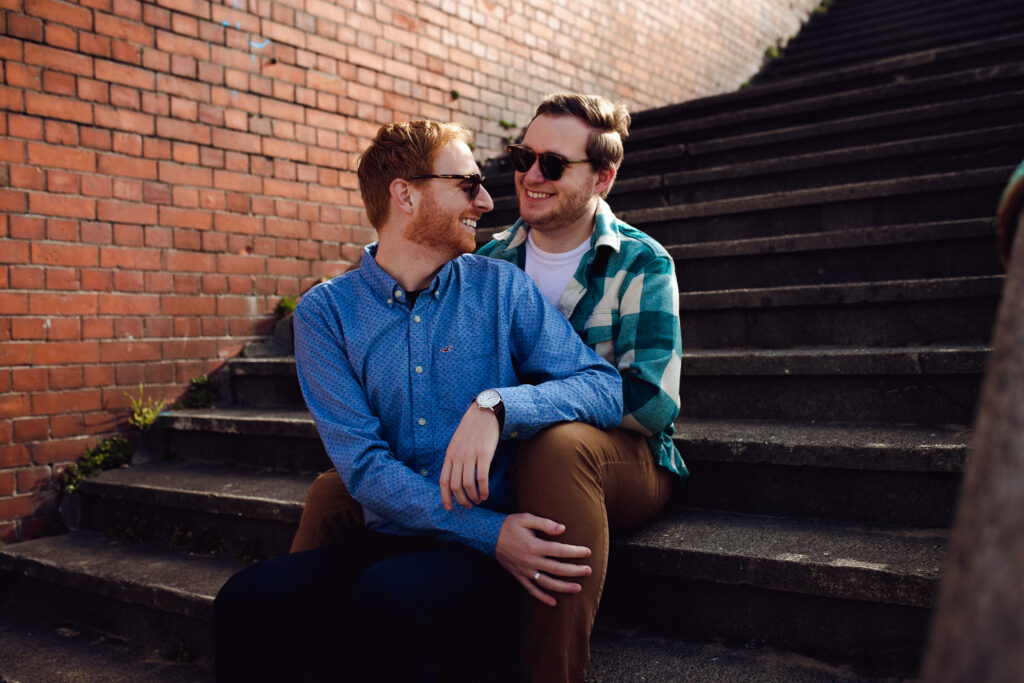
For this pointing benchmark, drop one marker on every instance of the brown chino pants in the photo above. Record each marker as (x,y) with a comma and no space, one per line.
(594,482)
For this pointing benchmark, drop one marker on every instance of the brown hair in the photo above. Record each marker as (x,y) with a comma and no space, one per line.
(609,123)
(401,150)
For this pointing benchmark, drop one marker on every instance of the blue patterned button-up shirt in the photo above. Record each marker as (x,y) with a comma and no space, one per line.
(387,384)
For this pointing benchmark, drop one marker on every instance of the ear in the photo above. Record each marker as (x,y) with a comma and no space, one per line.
(604,178)
(404,195)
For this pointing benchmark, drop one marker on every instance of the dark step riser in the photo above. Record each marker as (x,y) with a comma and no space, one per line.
(189,530)
(177,635)
(959,118)
(267,391)
(858,46)
(955,321)
(288,453)
(895,399)
(882,498)
(872,636)
(900,209)
(884,168)
(912,260)
(801,60)
(825,110)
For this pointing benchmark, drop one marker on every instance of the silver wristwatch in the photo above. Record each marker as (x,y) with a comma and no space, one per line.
(491,400)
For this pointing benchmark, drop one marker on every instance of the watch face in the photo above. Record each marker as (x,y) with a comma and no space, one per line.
(488,398)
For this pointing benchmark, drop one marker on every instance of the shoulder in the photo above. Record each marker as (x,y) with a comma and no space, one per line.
(638,251)
(325,295)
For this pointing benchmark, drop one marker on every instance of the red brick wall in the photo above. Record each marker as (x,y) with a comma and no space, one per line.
(170,169)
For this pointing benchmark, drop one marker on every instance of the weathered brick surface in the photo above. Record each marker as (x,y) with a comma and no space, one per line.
(170,169)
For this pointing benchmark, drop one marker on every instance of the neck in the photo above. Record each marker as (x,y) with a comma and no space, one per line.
(565,238)
(412,265)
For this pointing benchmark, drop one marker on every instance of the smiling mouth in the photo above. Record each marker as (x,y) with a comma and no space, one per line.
(538,195)
(469,223)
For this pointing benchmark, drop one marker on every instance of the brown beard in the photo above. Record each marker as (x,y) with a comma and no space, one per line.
(430,228)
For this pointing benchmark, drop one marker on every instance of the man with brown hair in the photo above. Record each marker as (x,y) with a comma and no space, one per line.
(617,287)
(423,364)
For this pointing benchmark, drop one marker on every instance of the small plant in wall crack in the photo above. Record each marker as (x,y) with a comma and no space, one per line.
(144,410)
(201,393)
(112,452)
(286,306)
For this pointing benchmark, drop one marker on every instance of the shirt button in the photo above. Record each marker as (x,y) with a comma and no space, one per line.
(398,294)
(389,301)
(419,369)
(415,318)
(437,294)
(513,435)
(422,421)
(424,472)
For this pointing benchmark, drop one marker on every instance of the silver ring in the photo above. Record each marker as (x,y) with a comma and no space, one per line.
(536,577)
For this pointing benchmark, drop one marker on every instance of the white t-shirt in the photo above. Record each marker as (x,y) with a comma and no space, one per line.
(552,272)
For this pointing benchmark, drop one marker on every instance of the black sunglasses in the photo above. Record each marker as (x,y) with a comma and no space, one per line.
(473,181)
(552,165)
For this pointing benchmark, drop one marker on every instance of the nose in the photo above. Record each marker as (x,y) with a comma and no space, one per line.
(533,174)
(483,200)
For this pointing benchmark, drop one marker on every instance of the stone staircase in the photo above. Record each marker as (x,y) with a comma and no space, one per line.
(833,235)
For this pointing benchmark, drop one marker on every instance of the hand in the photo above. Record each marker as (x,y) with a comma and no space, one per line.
(522,553)
(467,462)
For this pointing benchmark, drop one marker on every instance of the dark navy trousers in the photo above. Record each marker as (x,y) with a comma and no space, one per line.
(374,607)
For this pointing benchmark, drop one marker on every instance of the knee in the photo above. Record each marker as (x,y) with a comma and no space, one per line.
(557,450)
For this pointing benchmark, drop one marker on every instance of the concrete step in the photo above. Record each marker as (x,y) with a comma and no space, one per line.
(164,598)
(39,650)
(812,107)
(953,116)
(891,475)
(901,67)
(264,383)
(242,511)
(833,590)
(871,314)
(916,251)
(920,385)
(937,197)
(146,592)
(950,151)
(280,439)
(874,42)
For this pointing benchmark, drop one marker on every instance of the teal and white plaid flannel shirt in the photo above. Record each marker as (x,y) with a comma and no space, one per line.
(624,302)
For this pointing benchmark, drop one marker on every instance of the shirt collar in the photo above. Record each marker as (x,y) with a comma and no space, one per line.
(606,233)
(387,289)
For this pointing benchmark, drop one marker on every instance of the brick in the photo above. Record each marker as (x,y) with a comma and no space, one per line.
(116,27)
(59,60)
(187,305)
(58,156)
(26,329)
(127,351)
(183,130)
(68,183)
(125,212)
(52,106)
(93,44)
(58,83)
(65,378)
(64,426)
(60,12)
(57,403)
(14,455)
(22,277)
(124,97)
(20,126)
(122,119)
(15,405)
(129,304)
(62,254)
(124,74)
(62,205)
(60,451)
(97,328)
(61,133)
(66,279)
(179,174)
(27,177)
(44,303)
(30,429)
(127,167)
(27,28)
(61,230)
